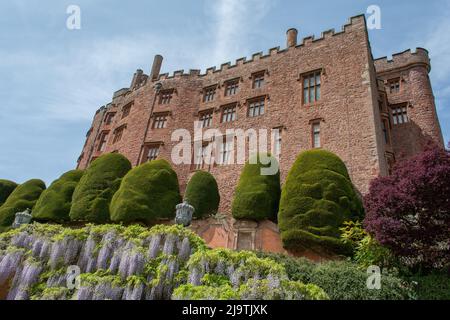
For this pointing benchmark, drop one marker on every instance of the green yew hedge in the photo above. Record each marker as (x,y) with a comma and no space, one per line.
(203,194)
(92,195)
(257,195)
(148,192)
(6,188)
(55,202)
(317,198)
(23,197)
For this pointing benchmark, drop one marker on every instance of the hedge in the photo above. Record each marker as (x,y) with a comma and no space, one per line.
(6,188)
(55,202)
(343,280)
(317,198)
(257,196)
(148,192)
(23,197)
(203,194)
(92,195)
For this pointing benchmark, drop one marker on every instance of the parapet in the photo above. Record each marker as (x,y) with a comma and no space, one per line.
(402,60)
(307,41)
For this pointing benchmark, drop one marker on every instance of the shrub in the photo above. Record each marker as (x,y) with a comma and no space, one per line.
(92,195)
(409,211)
(55,202)
(148,192)
(317,198)
(257,195)
(342,280)
(203,194)
(22,198)
(6,188)
(367,251)
(434,286)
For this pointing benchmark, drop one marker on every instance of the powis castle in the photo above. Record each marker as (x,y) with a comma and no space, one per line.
(325,93)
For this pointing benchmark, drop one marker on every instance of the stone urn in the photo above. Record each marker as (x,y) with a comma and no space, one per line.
(22,218)
(184,214)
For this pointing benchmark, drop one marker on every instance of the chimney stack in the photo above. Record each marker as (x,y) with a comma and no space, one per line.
(156,67)
(291,37)
(136,78)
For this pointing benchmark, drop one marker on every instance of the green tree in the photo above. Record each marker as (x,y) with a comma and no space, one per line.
(257,194)
(6,188)
(23,197)
(148,192)
(92,195)
(203,194)
(55,202)
(317,198)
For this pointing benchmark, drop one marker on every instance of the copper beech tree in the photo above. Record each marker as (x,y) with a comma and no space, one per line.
(409,212)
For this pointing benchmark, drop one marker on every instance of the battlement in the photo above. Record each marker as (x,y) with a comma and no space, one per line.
(403,59)
(306,41)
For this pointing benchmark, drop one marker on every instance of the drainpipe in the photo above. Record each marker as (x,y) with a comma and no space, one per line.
(157,87)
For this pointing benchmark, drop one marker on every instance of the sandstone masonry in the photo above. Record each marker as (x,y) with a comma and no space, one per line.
(371,113)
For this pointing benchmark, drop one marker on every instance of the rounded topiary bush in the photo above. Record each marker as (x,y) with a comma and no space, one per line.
(23,197)
(6,188)
(92,195)
(148,192)
(258,192)
(203,194)
(55,202)
(317,198)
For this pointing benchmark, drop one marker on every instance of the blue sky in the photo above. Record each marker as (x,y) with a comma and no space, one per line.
(53,79)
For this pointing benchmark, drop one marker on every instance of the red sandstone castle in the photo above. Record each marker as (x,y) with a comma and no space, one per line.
(322,93)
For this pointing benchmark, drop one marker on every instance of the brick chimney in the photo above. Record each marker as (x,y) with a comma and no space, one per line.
(291,37)
(156,67)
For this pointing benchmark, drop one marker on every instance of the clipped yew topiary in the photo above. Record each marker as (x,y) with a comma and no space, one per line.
(6,188)
(147,193)
(23,197)
(203,194)
(257,194)
(55,202)
(317,198)
(92,195)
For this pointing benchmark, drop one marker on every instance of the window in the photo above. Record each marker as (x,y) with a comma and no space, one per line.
(226,150)
(385,127)
(152,153)
(126,110)
(231,87)
(394,85)
(311,87)
(206,119)
(258,80)
(316,135)
(201,154)
(209,93)
(256,107)
(109,118)
(160,121)
(165,96)
(400,115)
(103,140)
(118,134)
(277,143)
(229,113)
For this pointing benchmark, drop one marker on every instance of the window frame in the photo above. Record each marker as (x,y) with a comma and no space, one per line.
(103,138)
(255,104)
(307,87)
(316,124)
(398,86)
(206,116)
(209,93)
(165,96)
(160,121)
(231,87)
(399,112)
(258,79)
(126,109)
(118,133)
(226,114)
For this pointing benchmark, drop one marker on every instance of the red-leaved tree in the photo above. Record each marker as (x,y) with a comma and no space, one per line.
(409,212)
